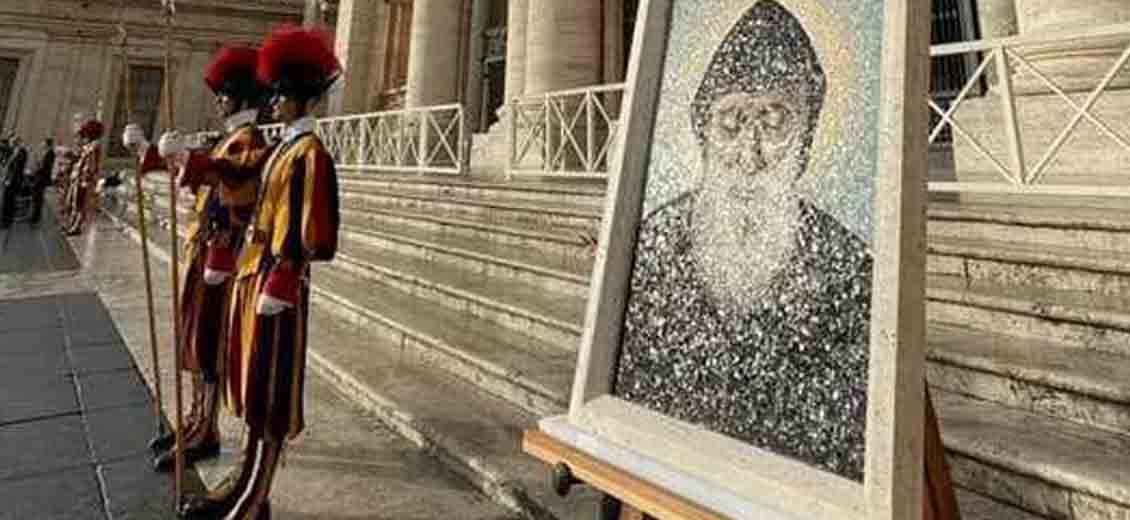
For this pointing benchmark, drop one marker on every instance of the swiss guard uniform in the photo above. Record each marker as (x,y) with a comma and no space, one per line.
(224,180)
(295,223)
(79,202)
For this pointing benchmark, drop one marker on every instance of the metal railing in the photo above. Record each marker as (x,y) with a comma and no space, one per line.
(1024,170)
(569,133)
(415,140)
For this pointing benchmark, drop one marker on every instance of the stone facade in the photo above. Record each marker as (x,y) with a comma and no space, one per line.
(70,62)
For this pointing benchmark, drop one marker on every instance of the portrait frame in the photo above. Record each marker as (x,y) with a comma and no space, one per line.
(721,473)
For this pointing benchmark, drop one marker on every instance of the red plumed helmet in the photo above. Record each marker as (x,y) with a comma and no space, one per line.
(297,61)
(91,129)
(232,72)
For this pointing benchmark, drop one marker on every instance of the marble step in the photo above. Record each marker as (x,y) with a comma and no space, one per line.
(1019,264)
(1072,318)
(530,373)
(1054,228)
(589,193)
(509,303)
(476,256)
(1091,388)
(555,215)
(474,433)
(569,248)
(1052,468)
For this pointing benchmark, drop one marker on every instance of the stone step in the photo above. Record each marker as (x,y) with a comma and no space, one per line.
(1075,228)
(476,256)
(1053,468)
(530,373)
(589,193)
(567,248)
(510,303)
(474,433)
(499,212)
(1073,318)
(1018,264)
(1091,388)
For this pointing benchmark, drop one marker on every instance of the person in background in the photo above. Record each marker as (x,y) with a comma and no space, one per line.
(13,181)
(41,179)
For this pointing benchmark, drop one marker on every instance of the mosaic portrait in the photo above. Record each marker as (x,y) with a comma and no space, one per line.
(750,292)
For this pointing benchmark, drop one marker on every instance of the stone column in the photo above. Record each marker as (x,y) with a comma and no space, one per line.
(312,13)
(473,100)
(358,38)
(433,56)
(516,49)
(563,45)
(1076,67)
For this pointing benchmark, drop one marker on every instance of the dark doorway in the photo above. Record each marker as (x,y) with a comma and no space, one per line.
(9,68)
(145,88)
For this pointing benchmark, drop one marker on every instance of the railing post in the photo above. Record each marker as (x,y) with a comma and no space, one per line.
(546,159)
(512,138)
(422,146)
(590,132)
(1011,124)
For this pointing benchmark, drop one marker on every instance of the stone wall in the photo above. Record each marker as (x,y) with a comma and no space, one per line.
(70,55)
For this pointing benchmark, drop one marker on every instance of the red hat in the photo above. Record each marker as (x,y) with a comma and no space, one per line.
(91,129)
(232,72)
(298,61)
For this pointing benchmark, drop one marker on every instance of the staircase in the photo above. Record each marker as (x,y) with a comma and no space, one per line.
(1029,343)
(454,309)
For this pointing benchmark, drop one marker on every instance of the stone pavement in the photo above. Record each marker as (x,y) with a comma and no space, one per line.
(81,455)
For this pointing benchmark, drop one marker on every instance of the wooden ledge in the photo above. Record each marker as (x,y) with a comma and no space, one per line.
(639,497)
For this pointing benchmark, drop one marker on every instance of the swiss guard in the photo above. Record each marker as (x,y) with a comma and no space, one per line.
(295,223)
(224,181)
(79,201)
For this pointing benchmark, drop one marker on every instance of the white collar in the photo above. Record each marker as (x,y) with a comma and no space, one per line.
(240,118)
(299,127)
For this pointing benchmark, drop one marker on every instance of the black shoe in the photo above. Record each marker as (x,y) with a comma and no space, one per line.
(166,461)
(162,442)
(203,507)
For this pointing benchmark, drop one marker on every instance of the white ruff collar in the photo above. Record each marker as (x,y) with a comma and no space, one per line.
(299,127)
(240,118)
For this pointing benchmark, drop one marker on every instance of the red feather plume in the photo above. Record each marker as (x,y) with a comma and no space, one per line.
(293,46)
(232,60)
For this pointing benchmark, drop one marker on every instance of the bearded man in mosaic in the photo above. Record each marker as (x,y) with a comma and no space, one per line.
(749,305)
(224,180)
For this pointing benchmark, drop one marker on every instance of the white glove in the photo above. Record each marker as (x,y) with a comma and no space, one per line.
(171,144)
(217,277)
(270,306)
(134,136)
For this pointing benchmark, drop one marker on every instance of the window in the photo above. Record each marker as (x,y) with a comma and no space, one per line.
(146,83)
(397,42)
(9,68)
(951,21)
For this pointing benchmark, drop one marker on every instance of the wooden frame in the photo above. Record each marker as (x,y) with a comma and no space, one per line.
(758,483)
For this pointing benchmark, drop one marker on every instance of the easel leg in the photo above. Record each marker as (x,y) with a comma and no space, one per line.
(939,501)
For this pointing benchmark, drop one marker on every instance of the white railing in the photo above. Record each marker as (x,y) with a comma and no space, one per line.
(415,140)
(1026,170)
(569,133)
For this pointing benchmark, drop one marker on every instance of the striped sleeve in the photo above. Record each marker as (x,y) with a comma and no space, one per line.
(306,227)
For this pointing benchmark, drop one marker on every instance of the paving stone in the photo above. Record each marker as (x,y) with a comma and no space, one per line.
(121,432)
(31,340)
(111,389)
(41,446)
(135,492)
(25,398)
(33,315)
(101,358)
(93,334)
(45,362)
(66,495)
